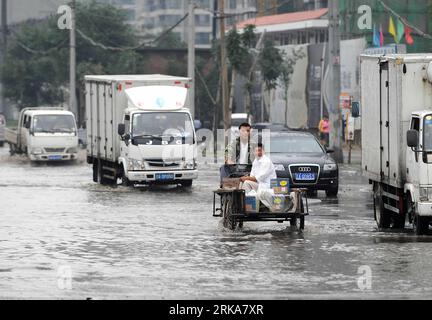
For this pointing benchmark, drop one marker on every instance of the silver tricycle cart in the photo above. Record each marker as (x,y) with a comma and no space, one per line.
(231,207)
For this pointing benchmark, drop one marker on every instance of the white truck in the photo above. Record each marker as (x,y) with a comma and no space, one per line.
(140,130)
(44,134)
(396,100)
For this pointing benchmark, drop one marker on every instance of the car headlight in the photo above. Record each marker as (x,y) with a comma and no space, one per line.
(72,150)
(330,167)
(37,151)
(190,165)
(135,165)
(279,167)
(425,194)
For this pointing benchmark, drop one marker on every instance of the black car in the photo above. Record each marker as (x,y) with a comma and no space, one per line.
(270,126)
(301,158)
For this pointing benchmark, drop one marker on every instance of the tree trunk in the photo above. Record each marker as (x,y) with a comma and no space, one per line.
(232,91)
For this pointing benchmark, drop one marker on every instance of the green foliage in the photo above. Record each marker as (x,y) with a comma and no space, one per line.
(171,40)
(248,36)
(38,74)
(271,61)
(237,52)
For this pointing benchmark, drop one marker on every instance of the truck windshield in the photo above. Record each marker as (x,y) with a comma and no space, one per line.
(427,130)
(54,124)
(159,124)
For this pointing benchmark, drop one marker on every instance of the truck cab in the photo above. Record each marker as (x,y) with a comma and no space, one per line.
(45,134)
(419,169)
(158,141)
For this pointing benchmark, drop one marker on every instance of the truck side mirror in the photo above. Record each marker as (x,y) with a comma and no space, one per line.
(413,139)
(121,129)
(28,125)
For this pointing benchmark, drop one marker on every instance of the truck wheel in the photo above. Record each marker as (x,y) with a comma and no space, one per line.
(382,216)
(11,149)
(125,181)
(421,225)
(95,172)
(332,193)
(100,176)
(186,183)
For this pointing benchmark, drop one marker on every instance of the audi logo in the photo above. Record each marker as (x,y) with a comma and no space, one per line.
(305,169)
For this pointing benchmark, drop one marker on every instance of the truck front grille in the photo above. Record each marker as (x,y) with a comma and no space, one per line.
(160,163)
(54,150)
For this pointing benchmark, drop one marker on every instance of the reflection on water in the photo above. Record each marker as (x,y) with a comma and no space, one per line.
(162,242)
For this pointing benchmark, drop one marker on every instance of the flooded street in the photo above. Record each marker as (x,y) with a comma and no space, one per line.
(163,243)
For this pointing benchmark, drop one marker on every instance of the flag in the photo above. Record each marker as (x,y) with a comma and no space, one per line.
(392,29)
(408,38)
(376,37)
(400,30)
(381,36)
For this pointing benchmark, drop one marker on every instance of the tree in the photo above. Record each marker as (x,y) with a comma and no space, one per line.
(287,70)
(37,68)
(270,61)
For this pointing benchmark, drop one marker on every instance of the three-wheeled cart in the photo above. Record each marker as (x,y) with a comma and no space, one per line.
(233,210)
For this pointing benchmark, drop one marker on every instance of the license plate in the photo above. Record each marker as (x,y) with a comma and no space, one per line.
(55,158)
(164,176)
(305,176)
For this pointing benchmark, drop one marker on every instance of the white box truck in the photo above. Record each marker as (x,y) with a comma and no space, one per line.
(140,130)
(44,134)
(396,99)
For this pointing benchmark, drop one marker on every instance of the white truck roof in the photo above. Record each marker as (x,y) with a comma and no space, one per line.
(48,112)
(406,58)
(159,98)
(140,78)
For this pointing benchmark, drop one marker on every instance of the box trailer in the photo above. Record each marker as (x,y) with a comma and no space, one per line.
(140,129)
(396,99)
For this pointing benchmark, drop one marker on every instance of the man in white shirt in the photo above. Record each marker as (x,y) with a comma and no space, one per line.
(263,171)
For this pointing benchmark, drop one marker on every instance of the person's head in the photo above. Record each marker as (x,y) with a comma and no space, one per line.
(245,130)
(259,151)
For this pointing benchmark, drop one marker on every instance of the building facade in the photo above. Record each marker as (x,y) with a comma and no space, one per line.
(159,15)
(304,27)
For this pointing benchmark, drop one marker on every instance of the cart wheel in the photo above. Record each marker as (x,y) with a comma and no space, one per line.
(299,222)
(229,221)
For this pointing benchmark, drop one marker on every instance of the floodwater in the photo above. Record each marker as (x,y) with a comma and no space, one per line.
(64,237)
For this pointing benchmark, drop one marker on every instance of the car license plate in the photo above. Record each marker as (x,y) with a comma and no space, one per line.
(305,176)
(164,176)
(55,158)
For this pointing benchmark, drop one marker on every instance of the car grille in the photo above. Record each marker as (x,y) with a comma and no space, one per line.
(160,163)
(313,169)
(54,150)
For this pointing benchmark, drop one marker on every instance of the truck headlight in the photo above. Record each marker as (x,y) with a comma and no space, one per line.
(37,151)
(425,194)
(135,165)
(330,167)
(190,165)
(279,167)
(72,150)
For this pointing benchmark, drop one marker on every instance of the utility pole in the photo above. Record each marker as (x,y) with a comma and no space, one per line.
(3,49)
(191,56)
(215,9)
(72,72)
(335,80)
(224,68)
